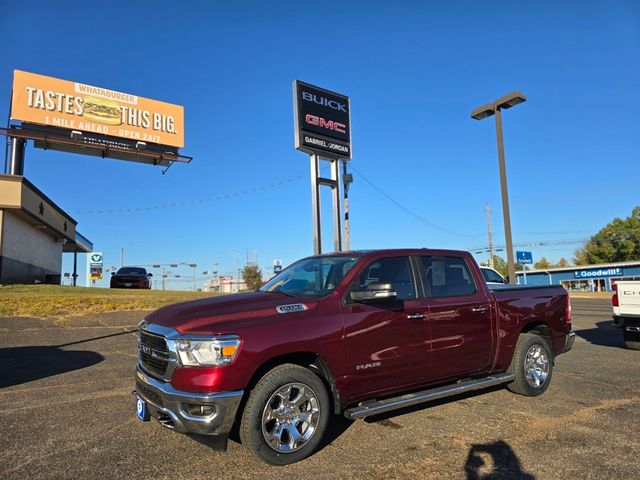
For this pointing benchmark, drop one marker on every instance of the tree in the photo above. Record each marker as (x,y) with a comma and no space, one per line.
(618,241)
(252,276)
(562,263)
(542,264)
(580,257)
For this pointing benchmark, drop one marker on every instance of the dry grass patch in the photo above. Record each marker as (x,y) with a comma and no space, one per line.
(56,301)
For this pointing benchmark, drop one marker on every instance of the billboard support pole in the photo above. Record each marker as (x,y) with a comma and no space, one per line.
(16,163)
(335,195)
(315,204)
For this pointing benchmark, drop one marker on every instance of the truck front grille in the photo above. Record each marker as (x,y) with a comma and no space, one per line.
(154,365)
(154,355)
(154,341)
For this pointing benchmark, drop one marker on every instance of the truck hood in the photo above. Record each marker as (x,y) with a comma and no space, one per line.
(227,313)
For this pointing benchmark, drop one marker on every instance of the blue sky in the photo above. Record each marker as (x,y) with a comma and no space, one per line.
(413,70)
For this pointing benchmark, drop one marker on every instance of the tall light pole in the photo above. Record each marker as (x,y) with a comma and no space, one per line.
(122,252)
(507,101)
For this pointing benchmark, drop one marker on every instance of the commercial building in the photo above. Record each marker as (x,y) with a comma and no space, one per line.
(34,232)
(587,278)
(224,284)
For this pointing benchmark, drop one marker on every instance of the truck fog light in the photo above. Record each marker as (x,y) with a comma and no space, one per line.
(196,410)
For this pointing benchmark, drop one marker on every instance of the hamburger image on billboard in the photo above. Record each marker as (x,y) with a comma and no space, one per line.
(102,110)
(53,102)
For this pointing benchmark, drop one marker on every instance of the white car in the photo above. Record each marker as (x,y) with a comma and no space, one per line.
(492,276)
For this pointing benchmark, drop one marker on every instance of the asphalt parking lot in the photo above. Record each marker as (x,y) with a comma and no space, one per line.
(66,411)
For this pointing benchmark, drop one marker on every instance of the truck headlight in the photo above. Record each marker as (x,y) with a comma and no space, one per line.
(215,352)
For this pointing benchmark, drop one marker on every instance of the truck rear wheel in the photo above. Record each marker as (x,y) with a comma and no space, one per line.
(532,365)
(286,415)
(631,340)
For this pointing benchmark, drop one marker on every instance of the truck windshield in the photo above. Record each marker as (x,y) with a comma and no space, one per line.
(313,277)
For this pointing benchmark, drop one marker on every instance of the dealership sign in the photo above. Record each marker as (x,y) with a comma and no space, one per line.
(600,272)
(73,106)
(322,121)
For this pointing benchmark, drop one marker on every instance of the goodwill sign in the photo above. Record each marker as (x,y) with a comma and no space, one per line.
(600,272)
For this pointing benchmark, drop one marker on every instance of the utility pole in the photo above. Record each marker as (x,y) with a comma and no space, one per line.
(487,210)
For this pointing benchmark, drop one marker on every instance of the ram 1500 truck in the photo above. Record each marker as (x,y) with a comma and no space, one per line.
(353,333)
(626,311)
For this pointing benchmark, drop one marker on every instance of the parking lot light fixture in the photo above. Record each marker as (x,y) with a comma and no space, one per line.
(510,100)
(507,101)
(483,112)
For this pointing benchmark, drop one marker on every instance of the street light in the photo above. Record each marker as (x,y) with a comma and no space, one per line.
(122,251)
(507,101)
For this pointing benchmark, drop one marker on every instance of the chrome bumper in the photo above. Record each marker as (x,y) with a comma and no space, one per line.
(170,406)
(568,341)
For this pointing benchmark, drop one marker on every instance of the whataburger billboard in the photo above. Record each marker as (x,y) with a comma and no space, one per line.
(59,103)
(322,121)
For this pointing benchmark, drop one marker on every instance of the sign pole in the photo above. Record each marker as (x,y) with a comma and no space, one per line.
(335,194)
(315,204)
(524,273)
(75,268)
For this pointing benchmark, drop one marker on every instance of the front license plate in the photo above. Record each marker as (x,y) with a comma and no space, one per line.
(141,409)
(127,284)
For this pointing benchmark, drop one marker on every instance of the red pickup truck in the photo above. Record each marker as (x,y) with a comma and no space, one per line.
(354,333)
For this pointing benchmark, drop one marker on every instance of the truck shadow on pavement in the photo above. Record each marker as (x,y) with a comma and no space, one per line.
(494,461)
(26,364)
(605,334)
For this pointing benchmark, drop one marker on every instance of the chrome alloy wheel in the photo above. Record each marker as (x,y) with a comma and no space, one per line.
(290,417)
(536,366)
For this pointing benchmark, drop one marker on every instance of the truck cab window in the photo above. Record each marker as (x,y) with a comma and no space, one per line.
(396,271)
(448,276)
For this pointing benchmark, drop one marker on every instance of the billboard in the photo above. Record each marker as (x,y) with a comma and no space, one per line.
(322,120)
(52,102)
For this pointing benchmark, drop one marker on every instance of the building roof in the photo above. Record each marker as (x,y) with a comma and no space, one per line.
(23,198)
(582,267)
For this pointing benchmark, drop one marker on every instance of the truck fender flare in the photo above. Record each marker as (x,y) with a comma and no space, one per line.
(311,360)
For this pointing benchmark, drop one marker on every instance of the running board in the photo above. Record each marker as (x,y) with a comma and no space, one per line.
(382,406)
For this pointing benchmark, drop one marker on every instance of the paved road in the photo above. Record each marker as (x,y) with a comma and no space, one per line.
(66,412)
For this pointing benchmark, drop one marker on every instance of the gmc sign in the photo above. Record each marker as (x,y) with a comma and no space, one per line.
(322,121)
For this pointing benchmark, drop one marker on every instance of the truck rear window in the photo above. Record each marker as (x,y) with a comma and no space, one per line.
(448,276)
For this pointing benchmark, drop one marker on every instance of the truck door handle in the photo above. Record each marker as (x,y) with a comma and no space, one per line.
(481,309)
(416,316)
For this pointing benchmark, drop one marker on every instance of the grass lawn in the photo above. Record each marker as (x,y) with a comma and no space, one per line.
(47,301)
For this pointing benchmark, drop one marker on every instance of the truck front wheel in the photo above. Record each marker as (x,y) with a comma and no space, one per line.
(631,340)
(286,415)
(532,365)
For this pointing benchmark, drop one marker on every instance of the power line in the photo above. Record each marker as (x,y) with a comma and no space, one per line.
(408,210)
(191,203)
(542,243)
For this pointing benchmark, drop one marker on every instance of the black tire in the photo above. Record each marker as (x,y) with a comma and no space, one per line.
(266,398)
(531,380)
(631,340)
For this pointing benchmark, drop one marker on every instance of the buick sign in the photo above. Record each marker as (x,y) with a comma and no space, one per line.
(322,121)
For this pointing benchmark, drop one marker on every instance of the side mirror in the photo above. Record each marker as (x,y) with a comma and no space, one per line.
(376,292)
(113,273)
(149,274)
